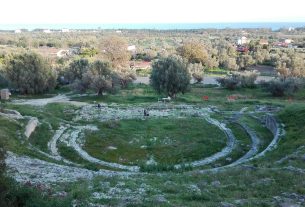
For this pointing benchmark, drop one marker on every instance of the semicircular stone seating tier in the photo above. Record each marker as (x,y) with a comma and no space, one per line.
(72,135)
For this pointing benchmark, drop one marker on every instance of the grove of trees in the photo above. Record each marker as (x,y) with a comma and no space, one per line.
(29,73)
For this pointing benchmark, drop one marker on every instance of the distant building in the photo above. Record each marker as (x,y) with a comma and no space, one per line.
(62,53)
(131,48)
(5,94)
(243,40)
(140,65)
(288,41)
(46,31)
(263,42)
(17,31)
(118,31)
(65,30)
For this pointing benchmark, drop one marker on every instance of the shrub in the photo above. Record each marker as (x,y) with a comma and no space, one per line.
(281,87)
(247,79)
(198,77)
(228,82)
(243,79)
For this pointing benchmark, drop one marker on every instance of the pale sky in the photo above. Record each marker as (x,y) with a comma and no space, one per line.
(149,11)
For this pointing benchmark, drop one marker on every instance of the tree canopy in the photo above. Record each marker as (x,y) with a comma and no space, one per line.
(115,50)
(170,75)
(194,52)
(29,73)
(100,77)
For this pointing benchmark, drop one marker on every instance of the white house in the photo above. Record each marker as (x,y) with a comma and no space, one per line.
(288,41)
(131,48)
(17,31)
(243,40)
(46,31)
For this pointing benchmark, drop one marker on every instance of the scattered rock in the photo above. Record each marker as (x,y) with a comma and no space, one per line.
(194,189)
(159,199)
(60,194)
(216,183)
(225,204)
(151,161)
(112,148)
(289,205)
(229,159)
(30,127)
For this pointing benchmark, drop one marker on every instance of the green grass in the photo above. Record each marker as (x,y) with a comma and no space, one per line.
(11,134)
(293,118)
(256,184)
(41,136)
(70,154)
(170,141)
(261,131)
(217,71)
(243,145)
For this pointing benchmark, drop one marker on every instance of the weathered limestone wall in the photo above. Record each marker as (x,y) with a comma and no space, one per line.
(271,124)
(30,127)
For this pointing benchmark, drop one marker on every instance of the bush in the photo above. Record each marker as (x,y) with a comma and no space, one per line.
(247,79)
(243,79)
(198,77)
(281,87)
(228,82)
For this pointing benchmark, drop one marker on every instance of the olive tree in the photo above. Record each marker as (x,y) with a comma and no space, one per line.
(170,75)
(194,52)
(30,73)
(99,78)
(76,69)
(114,50)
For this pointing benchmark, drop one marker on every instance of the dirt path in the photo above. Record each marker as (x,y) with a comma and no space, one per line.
(45,101)
(207,80)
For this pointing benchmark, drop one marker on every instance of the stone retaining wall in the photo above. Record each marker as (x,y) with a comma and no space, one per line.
(271,124)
